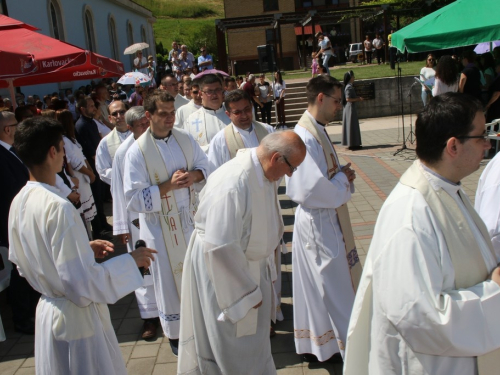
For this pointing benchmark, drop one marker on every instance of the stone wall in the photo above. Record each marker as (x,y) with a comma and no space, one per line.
(386,102)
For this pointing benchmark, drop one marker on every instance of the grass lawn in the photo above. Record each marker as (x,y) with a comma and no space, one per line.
(365,71)
(178,29)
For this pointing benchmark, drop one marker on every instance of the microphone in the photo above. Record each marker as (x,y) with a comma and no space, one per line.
(138,244)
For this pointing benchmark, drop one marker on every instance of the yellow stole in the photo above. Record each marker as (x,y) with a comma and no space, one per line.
(234,141)
(342,211)
(169,217)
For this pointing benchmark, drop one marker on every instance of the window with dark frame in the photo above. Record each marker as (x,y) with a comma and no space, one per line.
(271,5)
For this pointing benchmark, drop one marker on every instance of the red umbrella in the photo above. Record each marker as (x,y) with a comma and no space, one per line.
(30,58)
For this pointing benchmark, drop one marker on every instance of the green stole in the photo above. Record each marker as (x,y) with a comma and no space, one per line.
(169,216)
(342,211)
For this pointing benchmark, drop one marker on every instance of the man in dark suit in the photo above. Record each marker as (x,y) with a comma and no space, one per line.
(88,136)
(13,173)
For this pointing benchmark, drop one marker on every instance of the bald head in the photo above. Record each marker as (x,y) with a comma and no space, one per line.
(280,154)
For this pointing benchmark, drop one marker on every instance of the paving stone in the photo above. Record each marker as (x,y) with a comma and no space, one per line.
(10,366)
(165,354)
(165,369)
(145,351)
(26,371)
(126,352)
(141,366)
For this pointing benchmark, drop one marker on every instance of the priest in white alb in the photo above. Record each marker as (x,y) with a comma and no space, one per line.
(160,170)
(227,299)
(429,296)
(486,202)
(109,144)
(126,223)
(206,122)
(49,245)
(243,132)
(182,114)
(325,263)
(169,84)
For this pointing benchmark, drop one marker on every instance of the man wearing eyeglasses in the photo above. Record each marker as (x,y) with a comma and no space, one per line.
(106,150)
(227,300)
(243,132)
(204,60)
(22,297)
(169,84)
(325,263)
(194,104)
(206,122)
(429,297)
(161,168)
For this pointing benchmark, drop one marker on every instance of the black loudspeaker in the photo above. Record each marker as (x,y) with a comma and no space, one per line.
(267,60)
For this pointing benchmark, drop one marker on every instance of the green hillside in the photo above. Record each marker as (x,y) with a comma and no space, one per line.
(189,22)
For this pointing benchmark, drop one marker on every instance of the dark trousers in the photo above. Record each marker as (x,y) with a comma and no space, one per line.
(99,221)
(257,110)
(380,55)
(368,56)
(22,298)
(392,57)
(280,106)
(265,111)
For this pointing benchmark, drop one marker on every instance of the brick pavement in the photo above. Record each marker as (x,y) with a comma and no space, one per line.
(377,173)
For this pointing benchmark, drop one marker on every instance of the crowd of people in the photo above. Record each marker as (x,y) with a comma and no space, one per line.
(470,74)
(194,177)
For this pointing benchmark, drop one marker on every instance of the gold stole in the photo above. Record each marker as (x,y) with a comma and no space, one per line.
(113,141)
(258,238)
(169,216)
(342,211)
(234,141)
(468,261)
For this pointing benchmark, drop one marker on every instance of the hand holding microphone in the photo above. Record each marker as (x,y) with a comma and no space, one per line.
(143,256)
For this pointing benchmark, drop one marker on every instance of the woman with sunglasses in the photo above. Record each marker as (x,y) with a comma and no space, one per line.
(426,73)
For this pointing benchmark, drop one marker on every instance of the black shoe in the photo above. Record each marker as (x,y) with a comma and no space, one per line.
(174,345)
(336,358)
(28,328)
(107,227)
(103,235)
(311,358)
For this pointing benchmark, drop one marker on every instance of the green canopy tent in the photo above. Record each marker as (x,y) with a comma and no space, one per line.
(462,23)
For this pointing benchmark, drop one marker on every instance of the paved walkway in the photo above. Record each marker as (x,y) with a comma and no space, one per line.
(378,171)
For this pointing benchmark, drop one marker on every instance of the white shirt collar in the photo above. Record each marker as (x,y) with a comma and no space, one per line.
(6,145)
(439,182)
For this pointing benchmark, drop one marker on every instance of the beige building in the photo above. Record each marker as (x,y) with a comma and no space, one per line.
(251,23)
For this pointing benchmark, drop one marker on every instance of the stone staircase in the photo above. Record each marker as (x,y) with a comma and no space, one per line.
(295,103)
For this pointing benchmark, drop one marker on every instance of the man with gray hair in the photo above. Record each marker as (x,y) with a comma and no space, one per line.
(226,287)
(126,223)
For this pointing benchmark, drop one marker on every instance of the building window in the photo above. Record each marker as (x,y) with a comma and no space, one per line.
(144,39)
(130,39)
(270,5)
(89,31)
(56,20)
(113,38)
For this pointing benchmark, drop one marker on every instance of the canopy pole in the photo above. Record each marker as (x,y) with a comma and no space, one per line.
(12,93)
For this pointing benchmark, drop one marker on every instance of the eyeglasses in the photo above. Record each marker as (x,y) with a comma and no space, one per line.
(335,100)
(246,110)
(292,168)
(484,137)
(116,113)
(194,92)
(212,92)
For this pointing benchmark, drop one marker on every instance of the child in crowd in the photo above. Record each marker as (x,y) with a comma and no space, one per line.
(314,65)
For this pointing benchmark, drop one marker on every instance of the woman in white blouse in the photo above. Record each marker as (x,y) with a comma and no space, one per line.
(446,76)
